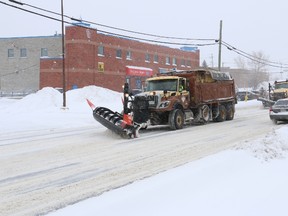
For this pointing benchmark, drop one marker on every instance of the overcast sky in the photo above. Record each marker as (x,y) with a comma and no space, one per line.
(248,25)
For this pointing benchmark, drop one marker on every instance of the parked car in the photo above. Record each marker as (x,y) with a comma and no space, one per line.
(279,111)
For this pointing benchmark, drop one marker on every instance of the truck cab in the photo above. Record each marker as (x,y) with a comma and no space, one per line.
(171,91)
(280,90)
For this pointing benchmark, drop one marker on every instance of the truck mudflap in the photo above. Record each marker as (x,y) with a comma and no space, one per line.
(115,122)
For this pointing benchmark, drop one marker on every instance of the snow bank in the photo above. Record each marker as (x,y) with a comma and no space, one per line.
(44,109)
(273,146)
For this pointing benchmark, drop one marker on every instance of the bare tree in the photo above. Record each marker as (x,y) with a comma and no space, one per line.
(256,65)
(240,62)
(259,68)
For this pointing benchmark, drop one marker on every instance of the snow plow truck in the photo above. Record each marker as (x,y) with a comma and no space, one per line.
(278,91)
(174,99)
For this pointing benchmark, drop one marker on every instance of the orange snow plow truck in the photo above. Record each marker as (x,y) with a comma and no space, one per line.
(174,99)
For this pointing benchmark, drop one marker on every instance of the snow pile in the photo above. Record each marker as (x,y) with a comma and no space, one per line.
(97,95)
(44,109)
(42,99)
(273,146)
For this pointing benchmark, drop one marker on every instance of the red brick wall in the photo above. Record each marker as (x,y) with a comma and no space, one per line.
(81,60)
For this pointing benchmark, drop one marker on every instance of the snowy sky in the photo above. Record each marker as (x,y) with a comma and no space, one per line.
(258,25)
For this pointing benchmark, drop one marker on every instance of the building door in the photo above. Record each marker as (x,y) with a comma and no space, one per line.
(138,83)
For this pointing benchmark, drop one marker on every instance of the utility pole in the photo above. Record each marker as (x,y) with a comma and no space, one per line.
(220,45)
(63,58)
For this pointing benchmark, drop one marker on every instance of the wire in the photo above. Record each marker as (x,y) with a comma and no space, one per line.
(48,17)
(120,29)
(115,28)
(254,58)
(105,32)
(216,41)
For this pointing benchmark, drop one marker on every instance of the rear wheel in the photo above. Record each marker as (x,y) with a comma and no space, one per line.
(230,112)
(274,121)
(176,119)
(222,114)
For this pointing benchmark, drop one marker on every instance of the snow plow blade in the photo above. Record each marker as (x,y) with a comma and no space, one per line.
(114,122)
(266,102)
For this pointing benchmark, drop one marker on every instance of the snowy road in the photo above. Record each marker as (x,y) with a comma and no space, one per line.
(48,169)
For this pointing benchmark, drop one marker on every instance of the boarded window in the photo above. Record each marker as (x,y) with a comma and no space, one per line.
(44,52)
(10,53)
(23,52)
(101,50)
(118,53)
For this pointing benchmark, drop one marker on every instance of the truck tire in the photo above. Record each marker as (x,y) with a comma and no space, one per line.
(205,113)
(222,114)
(176,119)
(230,112)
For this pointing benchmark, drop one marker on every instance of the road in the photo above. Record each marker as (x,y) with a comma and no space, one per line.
(43,170)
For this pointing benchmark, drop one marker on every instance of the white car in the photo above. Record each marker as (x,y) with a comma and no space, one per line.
(279,111)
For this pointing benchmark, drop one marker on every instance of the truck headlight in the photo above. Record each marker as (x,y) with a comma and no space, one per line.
(164,104)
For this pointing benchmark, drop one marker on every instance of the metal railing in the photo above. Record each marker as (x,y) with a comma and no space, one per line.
(15,94)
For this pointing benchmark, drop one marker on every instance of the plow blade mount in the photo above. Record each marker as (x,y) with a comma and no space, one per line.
(114,122)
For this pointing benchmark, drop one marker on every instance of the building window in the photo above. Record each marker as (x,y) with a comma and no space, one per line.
(10,53)
(183,63)
(167,60)
(44,52)
(156,58)
(188,63)
(118,53)
(128,55)
(100,50)
(174,61)
(23,52)
(147,57)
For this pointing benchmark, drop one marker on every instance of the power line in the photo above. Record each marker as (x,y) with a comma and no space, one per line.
(102,31)
(215,41)
(115,28)
(254,58)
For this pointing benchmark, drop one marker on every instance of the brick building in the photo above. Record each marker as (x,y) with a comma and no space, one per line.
(98,59)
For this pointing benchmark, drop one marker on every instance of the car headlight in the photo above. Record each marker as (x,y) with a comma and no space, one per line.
(164,104)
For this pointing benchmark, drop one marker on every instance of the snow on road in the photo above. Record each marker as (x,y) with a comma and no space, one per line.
(52,157)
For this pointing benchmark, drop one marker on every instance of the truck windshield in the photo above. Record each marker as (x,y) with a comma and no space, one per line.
(281,85)
(161,85)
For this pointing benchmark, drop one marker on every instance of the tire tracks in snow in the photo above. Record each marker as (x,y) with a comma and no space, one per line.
(42,175)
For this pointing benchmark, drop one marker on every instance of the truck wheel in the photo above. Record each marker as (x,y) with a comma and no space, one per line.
(205,113)
(230,112)
(176,119)
(222,114)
